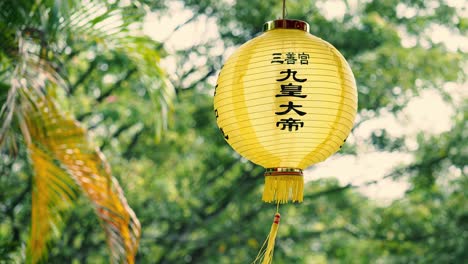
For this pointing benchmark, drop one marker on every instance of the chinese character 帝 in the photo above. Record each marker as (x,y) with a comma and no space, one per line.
(290,123)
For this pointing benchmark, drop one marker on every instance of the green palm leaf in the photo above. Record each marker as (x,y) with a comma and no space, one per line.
(113,29)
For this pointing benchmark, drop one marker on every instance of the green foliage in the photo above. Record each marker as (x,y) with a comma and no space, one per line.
(197,200)
(43,39)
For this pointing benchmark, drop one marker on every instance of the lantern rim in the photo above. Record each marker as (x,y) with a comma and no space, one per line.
(286,24)
(283,171)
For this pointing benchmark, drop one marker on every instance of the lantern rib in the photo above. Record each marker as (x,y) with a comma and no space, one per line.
(285,43)
(221,82)
(241,128)
(258,59)
(323,101)
(227,70)
(340,108)
(279,153)
(306,100)
(276,146)
(258,112)
(234,103)
(245,120)
(303,88)
(235,142)
(303,100)
(261,131)
(290,151)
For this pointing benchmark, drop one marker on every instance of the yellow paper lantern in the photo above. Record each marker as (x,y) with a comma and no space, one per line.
(285,100)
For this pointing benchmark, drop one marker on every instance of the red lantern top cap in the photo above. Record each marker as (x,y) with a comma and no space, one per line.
(286,24)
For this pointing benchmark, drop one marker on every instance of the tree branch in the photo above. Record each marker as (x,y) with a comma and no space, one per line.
(83,77)
(116,85)
(329,191)
(10,209)
(117,134)
(202,79)
(133,142)
(195,16)
(82,116)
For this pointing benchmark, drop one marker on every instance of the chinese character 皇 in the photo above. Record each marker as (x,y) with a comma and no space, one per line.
(304,58)
(291,90)
(290,58)
(290,123)
(291,106)
(277,58)
(288,72)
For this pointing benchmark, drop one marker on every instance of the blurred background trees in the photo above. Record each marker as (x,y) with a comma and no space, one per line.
(198,201)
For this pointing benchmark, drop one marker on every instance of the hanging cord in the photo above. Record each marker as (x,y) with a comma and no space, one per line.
(285,12)
(284,9)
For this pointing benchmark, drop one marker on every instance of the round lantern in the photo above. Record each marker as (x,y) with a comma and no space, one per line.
(285,100)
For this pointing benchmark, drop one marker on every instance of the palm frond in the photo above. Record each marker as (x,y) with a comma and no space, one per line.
(113,29)
(53,192)
(27,82)
(58,146)
(68,143)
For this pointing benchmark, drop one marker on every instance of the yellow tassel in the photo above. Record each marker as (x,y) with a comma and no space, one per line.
(271,240)
(267,253)
(283,188)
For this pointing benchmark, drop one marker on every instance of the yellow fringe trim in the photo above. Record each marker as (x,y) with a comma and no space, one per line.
(283,188)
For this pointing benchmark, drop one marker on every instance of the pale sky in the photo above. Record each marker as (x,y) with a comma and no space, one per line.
(428,112)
